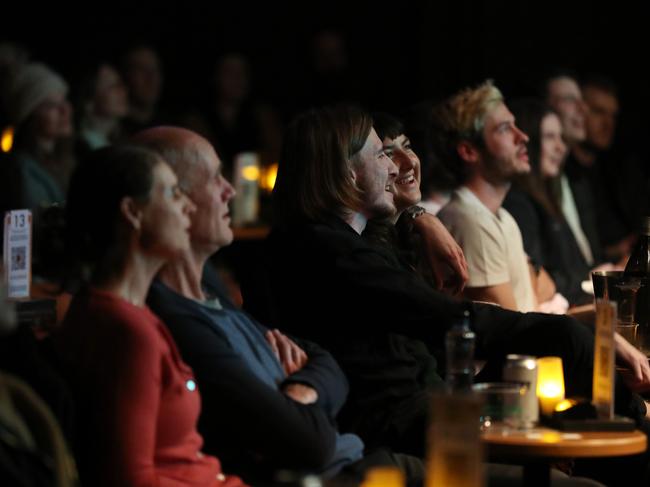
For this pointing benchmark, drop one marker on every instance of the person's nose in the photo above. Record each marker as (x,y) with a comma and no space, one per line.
(403,161)
(228,191)
(583,108)
(188,205)
(393,170)
(521,135)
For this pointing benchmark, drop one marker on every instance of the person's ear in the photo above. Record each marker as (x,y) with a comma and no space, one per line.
(467,152)
(131,212)
(353,173)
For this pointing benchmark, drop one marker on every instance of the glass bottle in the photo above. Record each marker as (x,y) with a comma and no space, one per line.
(459,347)
(637,272)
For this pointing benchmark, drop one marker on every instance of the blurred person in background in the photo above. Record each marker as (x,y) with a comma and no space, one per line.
(101,103)
(41,157)
(142,72)
(616,171)
(534,202)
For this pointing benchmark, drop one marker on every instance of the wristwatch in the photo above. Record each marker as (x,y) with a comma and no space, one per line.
(413,212)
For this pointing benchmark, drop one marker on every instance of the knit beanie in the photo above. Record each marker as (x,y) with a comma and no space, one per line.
(32,84)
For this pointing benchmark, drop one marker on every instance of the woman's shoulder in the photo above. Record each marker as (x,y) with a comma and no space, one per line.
(108,313)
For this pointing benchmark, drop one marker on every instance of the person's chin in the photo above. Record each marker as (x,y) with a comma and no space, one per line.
(228,237)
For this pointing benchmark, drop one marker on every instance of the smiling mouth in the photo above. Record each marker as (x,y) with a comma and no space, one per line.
(409,179)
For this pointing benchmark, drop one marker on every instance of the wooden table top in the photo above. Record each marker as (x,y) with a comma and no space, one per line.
(548,443)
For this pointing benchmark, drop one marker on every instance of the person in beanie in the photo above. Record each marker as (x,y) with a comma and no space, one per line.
(41,118)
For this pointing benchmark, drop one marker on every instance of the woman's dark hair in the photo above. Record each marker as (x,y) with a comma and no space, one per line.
(434,175)
(96,235)
(387,126)
(529,113)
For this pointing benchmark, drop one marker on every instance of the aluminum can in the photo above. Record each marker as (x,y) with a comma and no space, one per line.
(523,369)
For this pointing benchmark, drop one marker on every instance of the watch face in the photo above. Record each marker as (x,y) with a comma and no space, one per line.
(416,211)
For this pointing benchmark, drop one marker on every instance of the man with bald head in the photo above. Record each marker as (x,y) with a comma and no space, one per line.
(269,402)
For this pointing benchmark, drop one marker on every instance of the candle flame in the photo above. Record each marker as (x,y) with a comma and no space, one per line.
(7,139)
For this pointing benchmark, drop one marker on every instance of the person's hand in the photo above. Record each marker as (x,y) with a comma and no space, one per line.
(291,356)
(444,255)
(557,305)
(638,376)
(301,393)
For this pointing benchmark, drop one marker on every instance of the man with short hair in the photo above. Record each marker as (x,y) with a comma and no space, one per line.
(601,117)
(619,192)
(383,323)
(269,403)
(489,150)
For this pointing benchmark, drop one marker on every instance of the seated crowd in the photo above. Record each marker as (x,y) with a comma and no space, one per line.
(330,367)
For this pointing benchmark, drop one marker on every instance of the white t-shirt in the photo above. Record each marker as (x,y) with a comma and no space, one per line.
(492,245)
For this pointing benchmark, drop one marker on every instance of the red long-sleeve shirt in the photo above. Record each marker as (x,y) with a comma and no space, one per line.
(138,401)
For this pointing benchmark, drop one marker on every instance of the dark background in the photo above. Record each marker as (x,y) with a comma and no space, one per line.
(399,53)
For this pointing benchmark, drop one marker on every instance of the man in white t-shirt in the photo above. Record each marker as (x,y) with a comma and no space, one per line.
(488,150)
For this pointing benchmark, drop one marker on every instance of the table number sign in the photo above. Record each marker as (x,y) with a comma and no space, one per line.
(18,253)
(603,388)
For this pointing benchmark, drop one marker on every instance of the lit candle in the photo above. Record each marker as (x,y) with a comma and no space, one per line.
(550,383)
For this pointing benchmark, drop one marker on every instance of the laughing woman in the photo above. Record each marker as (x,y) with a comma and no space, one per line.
(418,238)
(137,400)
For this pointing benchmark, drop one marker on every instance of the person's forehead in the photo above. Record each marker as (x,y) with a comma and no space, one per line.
(498,114)
(107,74)
(55,97)
(564,86)
(164,174)
(373,142)
(596,95)
(551,122)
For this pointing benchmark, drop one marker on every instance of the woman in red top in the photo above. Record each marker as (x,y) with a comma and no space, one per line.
(138,402)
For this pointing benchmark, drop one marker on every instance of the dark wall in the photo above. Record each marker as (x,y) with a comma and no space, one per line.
(399,53)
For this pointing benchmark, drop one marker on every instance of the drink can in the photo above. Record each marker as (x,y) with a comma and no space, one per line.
(523,369)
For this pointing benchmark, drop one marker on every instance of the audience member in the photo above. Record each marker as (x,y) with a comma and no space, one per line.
(36,175)
(416,235)
(142,73)
(615,171)
(232,119)
(486,150)
(562,93)
(101,102)
(437,183)
(534,202)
